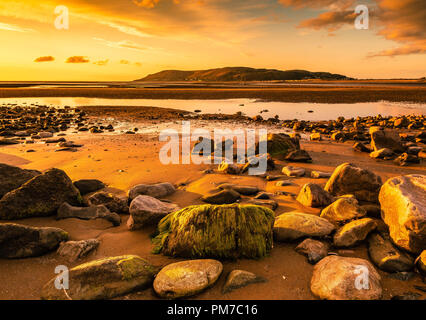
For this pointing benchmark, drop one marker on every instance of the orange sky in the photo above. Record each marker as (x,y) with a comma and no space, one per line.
(124,40)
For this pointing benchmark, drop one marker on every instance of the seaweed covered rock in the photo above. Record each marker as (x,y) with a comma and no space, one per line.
(103,279)
(278,145)
(12,177)
(224,231)
(18,241)
(40,196)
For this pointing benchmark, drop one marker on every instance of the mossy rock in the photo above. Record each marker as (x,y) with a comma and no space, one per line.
(216,231)
(104,279)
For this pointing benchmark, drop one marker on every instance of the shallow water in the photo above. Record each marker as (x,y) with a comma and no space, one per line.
(250,107)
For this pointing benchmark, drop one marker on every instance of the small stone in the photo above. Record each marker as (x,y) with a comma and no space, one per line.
(320,175)
(240,278)
(314,250)
(293,171)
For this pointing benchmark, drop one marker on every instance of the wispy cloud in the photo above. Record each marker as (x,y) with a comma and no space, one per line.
(12,27)
(123,44)
(101,62)
(45,59)
(77,59)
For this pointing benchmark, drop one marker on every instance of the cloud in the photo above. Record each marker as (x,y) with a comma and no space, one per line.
(318,4)
(127,62)
(124,44)
(44,59)
(77,59)
(101,62)
(124,62)
(332,20)
(146,3)
(12,27)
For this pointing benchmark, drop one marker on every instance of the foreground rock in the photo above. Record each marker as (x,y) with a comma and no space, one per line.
(312,195)
(186,278)
(240,278)
(103,279)
(343,209)
(18,241)
(388,139)
(40,196)
(314,250)
(145,211)
(208,231)
(67,211)
(226,196)
(403,204)
(386,256)
(158,191)
(343,278)
(349,179)
(12,177)
(354,232)
(75,250)
(111,201)
(88,186)
(294,225)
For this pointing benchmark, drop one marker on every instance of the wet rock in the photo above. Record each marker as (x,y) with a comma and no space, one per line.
(40,196)
(360,147)
(314,250)
(381,154)
(403,205)
(145,211)
(298,156)
(343,209)
(386,139)
(293,171)
(320,175)
(312,195)
(407,296)
(295,225)
(12,177)
(344,278)
(18,241)
(350,179)
(227,196)
(240,278)
(103,279)
(111,201)
(386,256)
(186,278)
(421,263)
(244,190)
(67,211)
(88,186)
(354,232)
(158,191)
(75,250)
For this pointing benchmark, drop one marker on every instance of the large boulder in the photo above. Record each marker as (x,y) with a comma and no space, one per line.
(12,177)
(278,145)
(145,211)
(210,231)
(354,232)
(344,278)
(103,279)
(67,211)
(87,186)
(40,196)
(187,278)
(312,195)
(159,190)
(343,209)
(349,179)
(18,241)
(294,225)
(389,139)
(403,204)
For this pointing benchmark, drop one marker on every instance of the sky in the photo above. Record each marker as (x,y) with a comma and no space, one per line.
(110,40)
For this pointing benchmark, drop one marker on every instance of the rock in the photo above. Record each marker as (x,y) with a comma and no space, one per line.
(403,205)
(8,142)
(18,241)
(373,210)
(312,195)
(406,158)
(278,145)
(407,296)
(12,177)
(387,257)
(298,156)
(263,196)
(103,279)
(253,162)
(320,175)
(338,136)
(207,231)
(421,263)
(402,276)
(158,191)
(74,250)
(381,154)
(386,139)
(349,179)
(88,186)
(240,278)
(229,168)
(360,147)
(109,200)
(283,183)
(295,225)
(293,171)
(315,137)
(314,250)
(271,204)
(145,211)
(227,196)
(244,190)
(67,211)
(354,232)
(40,196)
(44,135)
(344,278)
(343,209)
(187,278)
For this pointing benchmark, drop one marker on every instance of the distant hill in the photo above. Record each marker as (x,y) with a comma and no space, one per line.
(240,74)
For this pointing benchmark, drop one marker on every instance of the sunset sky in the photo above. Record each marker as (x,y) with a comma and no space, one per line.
(124,40)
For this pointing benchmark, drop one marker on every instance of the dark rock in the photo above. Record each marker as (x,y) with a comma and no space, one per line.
(314,250)
(240,278)
(111,201)
(88,186)
(12,177)
(312,195)
(75,250)
(66,211)
(222,197)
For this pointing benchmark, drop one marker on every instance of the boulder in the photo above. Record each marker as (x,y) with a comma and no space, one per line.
(209,231)
(40,196)
(109,200)
(75,250)
(67,211)
(18,241)
(145,211)
(403,205)
(278,145)
(353,232)
(386,256)
(389,139)
(158,191)
(344,278)
(349,179)
(88,186)
(293,171)
(312,195)
(103,279)
(12,177)
(343,209)
(187,278)
(227,196)
(295,225)
(239,278)
(314,250)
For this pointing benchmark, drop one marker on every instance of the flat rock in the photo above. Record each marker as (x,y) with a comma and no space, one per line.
(227,196)
(354,232)
(12,177)
(112,202)
(244,190)
(293,171)
(271,204)
(312,195)
(87,186)
(239,278)
(158,191)
(320,175)
(67,211)
(343,209)
(314,250)
(75,250)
